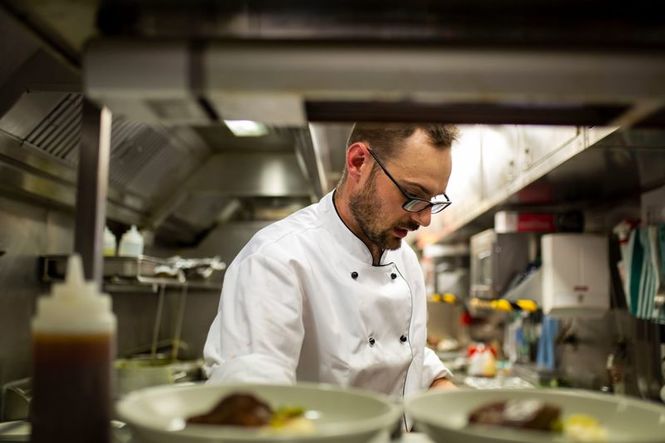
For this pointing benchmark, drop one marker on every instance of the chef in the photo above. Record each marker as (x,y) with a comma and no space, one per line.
(332,293)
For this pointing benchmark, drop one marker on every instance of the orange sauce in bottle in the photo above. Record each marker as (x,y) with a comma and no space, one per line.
(71,388)
(73,344)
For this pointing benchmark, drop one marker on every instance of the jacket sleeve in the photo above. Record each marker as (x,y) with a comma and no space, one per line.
(433,368)
(258,331)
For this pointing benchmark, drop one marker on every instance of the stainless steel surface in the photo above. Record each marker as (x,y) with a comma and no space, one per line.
(149,165)
(15,400)
(499,382)
(597,166)
(93,167)
(17,181)
(47,125)
(34,111)
(26,231)
(121,71)
(309,159)
(22,47)
(40,157)
(329,144)
(131,274)
(248,175)
(495,260)
(19,152)
(454,219)
(58,133)
(131,268)
(152,167)
(180,317)
(158,321)
(38,175)
(28,66)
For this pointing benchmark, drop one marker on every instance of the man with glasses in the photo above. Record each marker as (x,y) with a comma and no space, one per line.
(331,293)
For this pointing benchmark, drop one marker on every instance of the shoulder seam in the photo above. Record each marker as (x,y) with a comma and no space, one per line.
(286,234)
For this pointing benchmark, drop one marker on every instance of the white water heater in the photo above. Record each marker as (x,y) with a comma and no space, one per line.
(576,276)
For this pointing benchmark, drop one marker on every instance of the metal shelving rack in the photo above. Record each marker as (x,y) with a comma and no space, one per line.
(131,274)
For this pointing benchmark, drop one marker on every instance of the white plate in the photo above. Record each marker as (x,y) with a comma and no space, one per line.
(443,415)
(157,415)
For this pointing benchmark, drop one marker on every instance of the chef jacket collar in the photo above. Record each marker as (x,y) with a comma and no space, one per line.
(347,238)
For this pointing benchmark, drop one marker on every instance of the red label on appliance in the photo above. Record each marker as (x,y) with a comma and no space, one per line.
(580,288)
(535,223)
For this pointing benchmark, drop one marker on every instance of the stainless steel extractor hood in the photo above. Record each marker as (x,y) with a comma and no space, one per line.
(172,75)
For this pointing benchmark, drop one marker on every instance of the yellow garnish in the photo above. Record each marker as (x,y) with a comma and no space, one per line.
(284,414)
(584,428)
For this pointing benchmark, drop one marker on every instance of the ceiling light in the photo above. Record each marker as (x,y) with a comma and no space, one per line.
(246,128)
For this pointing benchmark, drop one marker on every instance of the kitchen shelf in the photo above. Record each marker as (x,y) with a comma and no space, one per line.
(476,303)
(135,274)
(599,166)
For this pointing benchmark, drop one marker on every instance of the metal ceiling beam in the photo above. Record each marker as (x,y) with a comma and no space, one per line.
(597,85)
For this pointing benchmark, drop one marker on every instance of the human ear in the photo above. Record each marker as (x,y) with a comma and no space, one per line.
(356,160)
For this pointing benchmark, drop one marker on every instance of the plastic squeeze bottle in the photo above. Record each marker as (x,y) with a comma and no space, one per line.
(131,243)
(73,336)
(109,243)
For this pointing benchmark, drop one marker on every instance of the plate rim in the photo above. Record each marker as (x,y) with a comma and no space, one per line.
(482,431)
(385,420)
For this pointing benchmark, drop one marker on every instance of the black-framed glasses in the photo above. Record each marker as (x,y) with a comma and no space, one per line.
(414,204)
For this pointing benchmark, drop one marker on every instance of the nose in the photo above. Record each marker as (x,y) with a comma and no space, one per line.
(424,217)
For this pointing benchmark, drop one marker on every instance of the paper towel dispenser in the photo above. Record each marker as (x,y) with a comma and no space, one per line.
(576,277)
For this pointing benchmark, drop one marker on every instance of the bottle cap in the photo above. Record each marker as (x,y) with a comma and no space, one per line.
(75,305)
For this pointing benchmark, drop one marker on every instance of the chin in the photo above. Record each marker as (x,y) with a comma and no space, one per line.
(393,243)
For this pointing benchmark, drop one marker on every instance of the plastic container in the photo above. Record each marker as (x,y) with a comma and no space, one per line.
(73,336)
(131,243)
(109,242)
(482,360)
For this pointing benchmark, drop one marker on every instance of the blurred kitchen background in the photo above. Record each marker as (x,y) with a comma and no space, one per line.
(227,116)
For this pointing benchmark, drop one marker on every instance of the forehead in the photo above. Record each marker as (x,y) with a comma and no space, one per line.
(422,164)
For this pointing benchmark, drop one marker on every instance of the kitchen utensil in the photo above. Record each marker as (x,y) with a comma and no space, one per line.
(157,415)
(443,415)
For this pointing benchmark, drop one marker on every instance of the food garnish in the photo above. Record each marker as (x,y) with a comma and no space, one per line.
(537,415)
(247,410)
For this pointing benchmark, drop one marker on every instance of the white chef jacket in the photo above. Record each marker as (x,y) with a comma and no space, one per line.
(303,302)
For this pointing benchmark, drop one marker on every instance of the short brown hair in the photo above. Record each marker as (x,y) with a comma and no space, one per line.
(386,138)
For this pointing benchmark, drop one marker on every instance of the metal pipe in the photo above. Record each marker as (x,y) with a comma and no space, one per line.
(92,188)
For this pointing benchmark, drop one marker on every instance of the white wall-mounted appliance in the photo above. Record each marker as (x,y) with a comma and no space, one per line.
(576,275)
